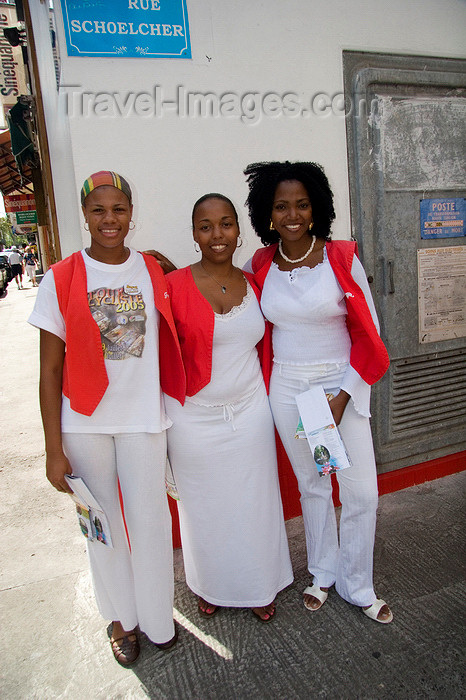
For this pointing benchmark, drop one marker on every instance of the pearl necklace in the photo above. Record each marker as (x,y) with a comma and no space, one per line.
(280,250)
(223,287)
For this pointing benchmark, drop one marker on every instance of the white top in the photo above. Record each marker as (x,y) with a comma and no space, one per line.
(15,258)
(236,372)
(307,307)
(121,300)
(308,311)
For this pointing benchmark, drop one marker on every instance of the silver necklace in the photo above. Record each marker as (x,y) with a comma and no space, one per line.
(289,260)
(222,286)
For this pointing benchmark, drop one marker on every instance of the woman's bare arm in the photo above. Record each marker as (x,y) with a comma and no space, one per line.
(52,355)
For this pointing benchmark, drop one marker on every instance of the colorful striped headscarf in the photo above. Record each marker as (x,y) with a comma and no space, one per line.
(105,177)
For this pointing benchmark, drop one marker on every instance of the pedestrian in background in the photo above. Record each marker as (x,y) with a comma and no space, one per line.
(30,263)
(16,261)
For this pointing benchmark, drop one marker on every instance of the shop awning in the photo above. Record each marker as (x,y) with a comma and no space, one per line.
(10,178)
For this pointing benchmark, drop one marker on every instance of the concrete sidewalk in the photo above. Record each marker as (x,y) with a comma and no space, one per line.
(54,643)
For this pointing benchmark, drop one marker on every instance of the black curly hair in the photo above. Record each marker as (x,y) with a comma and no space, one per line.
(213,195)
(263,179)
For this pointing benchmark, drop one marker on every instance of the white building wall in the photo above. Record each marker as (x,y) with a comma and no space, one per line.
(58,133)
(239,47)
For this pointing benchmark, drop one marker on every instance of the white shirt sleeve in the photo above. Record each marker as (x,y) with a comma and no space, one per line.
(247,267)
(353,383)
(46,314)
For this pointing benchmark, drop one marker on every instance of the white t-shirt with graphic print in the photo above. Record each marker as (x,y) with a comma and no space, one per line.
(121,300)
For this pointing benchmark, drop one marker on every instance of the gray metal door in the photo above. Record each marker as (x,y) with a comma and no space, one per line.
(406,134)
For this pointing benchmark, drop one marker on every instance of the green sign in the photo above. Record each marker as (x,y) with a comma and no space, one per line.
(26,217)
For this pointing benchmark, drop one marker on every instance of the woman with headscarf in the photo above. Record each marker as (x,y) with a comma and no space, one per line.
(106,340)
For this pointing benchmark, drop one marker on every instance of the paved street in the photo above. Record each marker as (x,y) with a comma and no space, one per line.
(54,644)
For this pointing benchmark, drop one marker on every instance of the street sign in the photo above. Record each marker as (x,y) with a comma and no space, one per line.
(127,28)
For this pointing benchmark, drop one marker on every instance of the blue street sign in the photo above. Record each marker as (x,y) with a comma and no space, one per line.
(127,28)
(443,218)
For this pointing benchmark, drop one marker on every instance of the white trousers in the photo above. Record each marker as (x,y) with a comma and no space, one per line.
(133,585)
(348,563)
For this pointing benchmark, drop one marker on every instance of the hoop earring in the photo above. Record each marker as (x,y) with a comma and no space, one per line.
(239,241)
(310,226)
(271,227)
(131,228)
(86,224)
(198,250)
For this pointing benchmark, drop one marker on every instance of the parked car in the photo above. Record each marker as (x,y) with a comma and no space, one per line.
(5,255)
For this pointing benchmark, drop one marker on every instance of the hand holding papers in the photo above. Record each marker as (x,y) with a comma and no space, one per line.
(318,426)
(92,519)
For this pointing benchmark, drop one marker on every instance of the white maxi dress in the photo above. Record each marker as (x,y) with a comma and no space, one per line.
(222,451)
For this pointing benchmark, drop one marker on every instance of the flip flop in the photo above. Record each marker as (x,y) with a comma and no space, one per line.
(373,610)
(316,592)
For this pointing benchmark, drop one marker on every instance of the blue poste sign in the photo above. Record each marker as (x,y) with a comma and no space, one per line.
(127,28)
(443,218)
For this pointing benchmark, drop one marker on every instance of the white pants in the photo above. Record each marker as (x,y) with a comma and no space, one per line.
(348,564)
(133,585)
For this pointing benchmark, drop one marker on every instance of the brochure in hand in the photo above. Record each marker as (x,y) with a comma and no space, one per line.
(92,519)
(317,425)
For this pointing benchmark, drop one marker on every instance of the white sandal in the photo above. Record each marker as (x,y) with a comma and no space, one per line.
(373,610)
(316,592)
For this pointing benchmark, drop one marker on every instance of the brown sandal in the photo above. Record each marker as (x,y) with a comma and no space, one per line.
(164,646)
(126,649)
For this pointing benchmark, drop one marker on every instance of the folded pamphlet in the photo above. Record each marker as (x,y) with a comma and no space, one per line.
(92,519)
(317,424)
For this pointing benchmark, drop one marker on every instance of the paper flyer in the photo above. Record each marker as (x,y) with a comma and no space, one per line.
(317,424)
(92,519)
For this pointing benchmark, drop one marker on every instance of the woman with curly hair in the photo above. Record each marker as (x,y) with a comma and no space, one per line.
(325,332)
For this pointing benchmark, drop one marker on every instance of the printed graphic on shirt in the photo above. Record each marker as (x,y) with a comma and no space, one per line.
(121,317)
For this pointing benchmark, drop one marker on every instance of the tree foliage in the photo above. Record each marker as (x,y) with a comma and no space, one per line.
(7,237)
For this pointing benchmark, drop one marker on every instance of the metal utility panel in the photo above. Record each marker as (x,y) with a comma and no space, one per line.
(406,135)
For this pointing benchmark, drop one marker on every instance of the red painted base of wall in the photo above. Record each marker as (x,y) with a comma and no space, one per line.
(416,474)
(388,482)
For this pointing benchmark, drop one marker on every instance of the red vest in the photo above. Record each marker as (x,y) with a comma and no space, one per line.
(368,355)
(85,378)
(194,321)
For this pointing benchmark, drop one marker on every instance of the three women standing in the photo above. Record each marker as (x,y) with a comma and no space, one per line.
(325,332)
(107,340)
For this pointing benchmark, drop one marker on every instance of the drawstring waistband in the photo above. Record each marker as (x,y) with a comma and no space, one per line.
(228,414)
